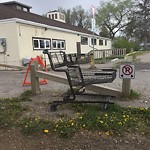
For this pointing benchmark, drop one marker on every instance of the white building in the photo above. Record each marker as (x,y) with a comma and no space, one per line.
(25,35)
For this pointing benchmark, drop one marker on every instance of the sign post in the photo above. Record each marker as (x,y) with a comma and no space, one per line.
(126,72)
(93,30)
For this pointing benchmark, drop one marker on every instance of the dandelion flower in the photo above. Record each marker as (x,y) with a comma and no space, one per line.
(106,115)
(120,123)
(46,131)
(80,117)
(101,121)
(107,133)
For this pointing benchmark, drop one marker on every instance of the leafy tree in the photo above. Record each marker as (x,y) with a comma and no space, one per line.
(114,15)
(122,42)
(104,32)
(77,16)
(139,26)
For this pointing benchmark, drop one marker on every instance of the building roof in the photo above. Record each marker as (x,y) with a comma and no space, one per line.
(9,13)
(14,2)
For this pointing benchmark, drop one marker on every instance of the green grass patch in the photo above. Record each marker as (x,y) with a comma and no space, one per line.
(116,120)
(10,111)
(25,96)
(107,59)
(133,95)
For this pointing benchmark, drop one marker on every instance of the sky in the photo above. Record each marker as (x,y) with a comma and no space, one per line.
(43,6)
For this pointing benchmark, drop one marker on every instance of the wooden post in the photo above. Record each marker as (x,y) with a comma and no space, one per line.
(35,88)
(126,87)
(104,57)
(92,65)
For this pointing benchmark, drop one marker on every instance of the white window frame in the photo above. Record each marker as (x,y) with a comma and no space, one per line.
(101,44)
(45,44)
(93,41)
(84,42)
(59,42)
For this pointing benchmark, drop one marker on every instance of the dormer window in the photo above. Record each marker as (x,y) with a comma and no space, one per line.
(55,15)
(17,5)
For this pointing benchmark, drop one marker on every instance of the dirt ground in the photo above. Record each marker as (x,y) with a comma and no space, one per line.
(11,86)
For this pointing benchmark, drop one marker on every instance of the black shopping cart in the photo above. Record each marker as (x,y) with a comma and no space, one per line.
(78,79)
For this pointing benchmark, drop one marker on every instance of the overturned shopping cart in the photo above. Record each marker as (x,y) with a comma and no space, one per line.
(78,79)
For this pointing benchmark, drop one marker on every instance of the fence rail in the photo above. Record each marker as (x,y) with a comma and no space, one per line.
(109,53)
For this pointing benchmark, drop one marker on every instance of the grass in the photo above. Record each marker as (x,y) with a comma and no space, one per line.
(101,60)
(116,120)
(10,111)
(133,95)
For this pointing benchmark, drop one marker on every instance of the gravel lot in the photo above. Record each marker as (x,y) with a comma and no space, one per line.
(11,83)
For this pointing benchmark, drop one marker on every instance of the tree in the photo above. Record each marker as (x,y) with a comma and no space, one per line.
(104,32)
(123,42)
(114,15)
(139,26)
(77,16)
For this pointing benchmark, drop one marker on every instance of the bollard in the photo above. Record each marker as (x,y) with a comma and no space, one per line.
(126,87)
(35,87)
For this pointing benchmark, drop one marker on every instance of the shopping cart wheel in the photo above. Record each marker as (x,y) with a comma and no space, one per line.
(53,107)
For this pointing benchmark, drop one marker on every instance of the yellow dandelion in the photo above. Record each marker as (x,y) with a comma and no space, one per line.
(46,131)
(80,117)
(72,124)
(106,115)
(101,121)
(124,116)
(107,133)
(120,123)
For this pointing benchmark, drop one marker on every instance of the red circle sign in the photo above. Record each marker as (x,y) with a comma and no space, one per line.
(127,70)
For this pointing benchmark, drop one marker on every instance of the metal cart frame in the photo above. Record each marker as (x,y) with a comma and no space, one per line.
(77,78)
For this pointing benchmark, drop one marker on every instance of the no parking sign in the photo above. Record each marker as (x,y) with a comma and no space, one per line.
(127,71)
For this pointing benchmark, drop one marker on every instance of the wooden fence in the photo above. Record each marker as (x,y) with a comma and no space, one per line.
(109,53)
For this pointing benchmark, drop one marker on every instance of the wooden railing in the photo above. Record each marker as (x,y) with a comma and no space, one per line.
(109,53)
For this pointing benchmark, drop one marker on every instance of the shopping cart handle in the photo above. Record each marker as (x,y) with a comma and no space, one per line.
(45,51)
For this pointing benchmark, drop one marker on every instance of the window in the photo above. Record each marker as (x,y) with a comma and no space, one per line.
(40,44)
(25,9)
(19,7)
(100,42)
(93,43)
(55,16)
(58,44)
(52,16)
(105,42)
(84,40)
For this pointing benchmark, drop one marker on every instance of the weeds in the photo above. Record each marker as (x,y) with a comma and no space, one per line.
(116,120)
(10,111)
